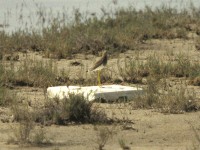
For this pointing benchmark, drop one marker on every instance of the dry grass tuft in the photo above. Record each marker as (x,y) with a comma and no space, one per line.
(103,134)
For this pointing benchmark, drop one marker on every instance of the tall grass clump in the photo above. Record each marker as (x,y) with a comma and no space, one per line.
(156,66)
(150,98)
(25,131)
(26,124)
(161,96)
(133,69)
(6,96)
(30,72)
(178,101)
(37,73)
(2,89)
(3,94)
(184,67)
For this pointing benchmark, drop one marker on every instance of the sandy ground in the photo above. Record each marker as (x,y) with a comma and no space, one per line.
(149,130)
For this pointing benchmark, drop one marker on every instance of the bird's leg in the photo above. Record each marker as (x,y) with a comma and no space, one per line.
(99,79)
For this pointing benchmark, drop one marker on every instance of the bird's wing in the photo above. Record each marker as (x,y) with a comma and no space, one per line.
(98,63)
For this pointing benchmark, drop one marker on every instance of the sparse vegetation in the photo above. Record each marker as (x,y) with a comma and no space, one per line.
(39,137)
(117,32)
(156,66)
(5,98)
(103,134)
(36,73)
(164,78)
(26,124)
(159,95)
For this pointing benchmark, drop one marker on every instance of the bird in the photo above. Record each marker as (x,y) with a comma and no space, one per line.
(99,65)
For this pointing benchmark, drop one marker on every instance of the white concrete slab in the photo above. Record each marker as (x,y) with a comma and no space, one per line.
(106,92)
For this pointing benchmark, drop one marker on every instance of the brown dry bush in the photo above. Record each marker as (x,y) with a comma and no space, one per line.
(75,108)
